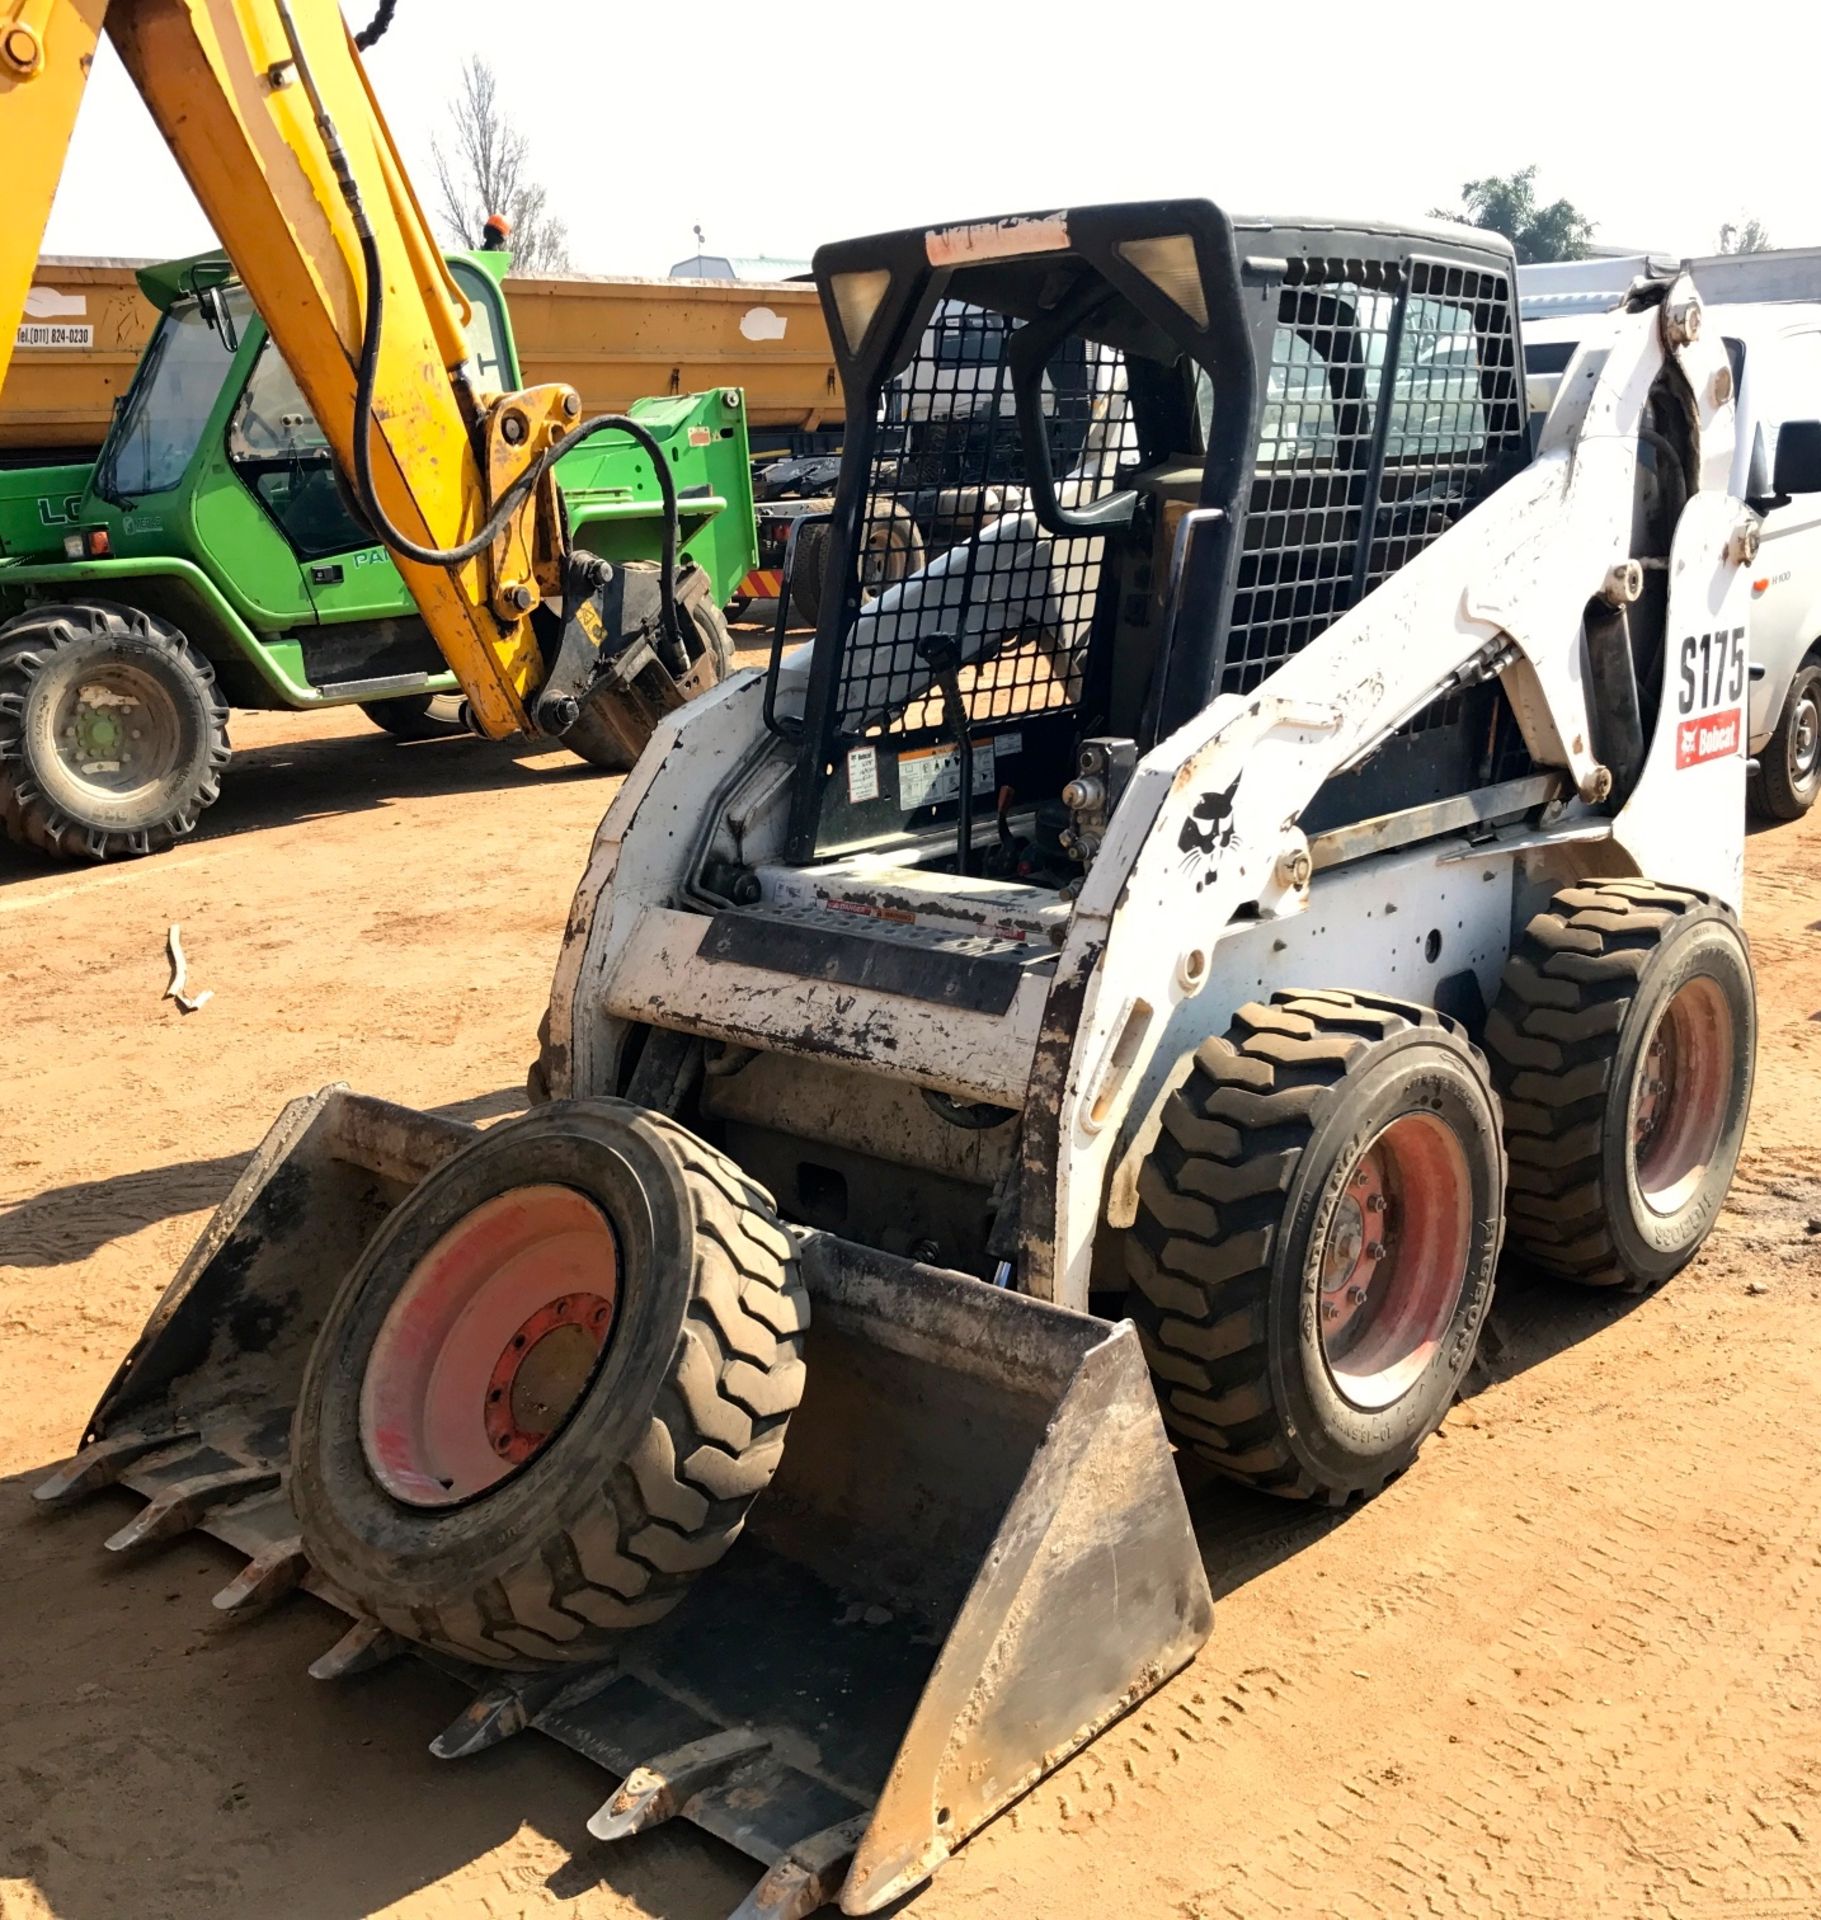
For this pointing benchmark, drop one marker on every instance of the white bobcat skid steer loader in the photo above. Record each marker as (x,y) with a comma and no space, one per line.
(1276,844)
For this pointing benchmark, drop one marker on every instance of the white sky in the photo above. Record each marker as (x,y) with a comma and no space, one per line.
(779,126)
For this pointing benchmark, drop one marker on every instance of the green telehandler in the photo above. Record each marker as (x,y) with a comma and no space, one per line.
(211,557)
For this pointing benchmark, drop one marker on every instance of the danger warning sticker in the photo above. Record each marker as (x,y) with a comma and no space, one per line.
(1712,737)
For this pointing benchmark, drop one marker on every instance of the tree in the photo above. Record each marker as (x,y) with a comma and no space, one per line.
(1749,235)
(486,173)
(1507,204)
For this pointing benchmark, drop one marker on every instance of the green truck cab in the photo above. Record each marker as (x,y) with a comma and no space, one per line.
(212,557)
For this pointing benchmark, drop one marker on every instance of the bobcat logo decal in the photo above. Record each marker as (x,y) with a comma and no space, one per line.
(1207,833)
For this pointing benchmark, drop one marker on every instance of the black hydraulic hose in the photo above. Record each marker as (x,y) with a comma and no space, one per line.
(375,29)
(510,501)
(367,371)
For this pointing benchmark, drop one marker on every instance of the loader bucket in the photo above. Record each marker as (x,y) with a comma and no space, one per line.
(975,1555)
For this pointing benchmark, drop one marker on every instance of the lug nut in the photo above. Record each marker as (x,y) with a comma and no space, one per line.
(1375,1249)
(1377,1204)
(1357,1295)
(1330,1311)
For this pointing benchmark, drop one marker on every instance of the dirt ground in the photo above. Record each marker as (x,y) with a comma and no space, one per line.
(1571,1664)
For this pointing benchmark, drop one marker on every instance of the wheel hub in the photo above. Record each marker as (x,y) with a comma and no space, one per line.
(490,1345)
(1358,1245)
(114,733)
(106,729)
(1678,1110)
(541,1372)
(1805,740)
(1394,1261)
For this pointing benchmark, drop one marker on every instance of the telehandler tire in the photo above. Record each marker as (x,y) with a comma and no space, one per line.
(418,716)
(1622,1043)
(1318,1227)
(113,735)
(551,1387)
(1789,769)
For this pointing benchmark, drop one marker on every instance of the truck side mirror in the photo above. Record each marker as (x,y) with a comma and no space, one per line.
(1757,475)
(215,311)
(1798,468)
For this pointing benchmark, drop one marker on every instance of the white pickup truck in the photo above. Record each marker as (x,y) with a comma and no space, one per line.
(1767,308)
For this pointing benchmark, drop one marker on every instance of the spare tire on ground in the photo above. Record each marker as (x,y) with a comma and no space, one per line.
(551,1387)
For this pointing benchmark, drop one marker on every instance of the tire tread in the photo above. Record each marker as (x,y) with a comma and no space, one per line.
(1553,1041)
(715,1436)
(1210,1201)
(28,644)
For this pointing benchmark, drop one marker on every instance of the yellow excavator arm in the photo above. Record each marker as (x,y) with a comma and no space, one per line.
(268,111)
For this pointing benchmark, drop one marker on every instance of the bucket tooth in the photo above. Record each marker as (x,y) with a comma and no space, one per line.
(494,1716)
(266,1578)
(809,1876)
(180,1505)
(366,1644)
(101,1464)
(660,1789)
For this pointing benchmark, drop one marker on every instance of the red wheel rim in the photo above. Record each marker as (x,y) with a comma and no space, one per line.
(1679,1096)
(1395,1259)
(493,1340)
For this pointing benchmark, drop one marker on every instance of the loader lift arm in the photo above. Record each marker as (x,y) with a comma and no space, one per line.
(267,109)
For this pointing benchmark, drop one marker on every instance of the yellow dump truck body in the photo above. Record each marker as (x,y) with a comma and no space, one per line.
(85,325)
(616,340)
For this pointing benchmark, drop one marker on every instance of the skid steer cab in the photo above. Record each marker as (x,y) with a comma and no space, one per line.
(1269,847)
(213,557)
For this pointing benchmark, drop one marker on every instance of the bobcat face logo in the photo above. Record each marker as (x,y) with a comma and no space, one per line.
(1207,833)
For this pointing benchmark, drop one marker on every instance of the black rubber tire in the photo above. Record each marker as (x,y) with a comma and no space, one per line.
(44,803)
(1788,775)
(1581,996)
(607,736)
(894,552)
(809,562)
(650,1480)
(1233,1203)
(418,716)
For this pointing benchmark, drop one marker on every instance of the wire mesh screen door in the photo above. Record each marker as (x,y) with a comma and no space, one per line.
(949,545)
(1393,405)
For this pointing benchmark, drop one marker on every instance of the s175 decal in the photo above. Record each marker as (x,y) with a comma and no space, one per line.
(1710,697)
(1713,670)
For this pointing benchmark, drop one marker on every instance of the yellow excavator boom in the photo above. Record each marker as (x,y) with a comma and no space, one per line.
(266,107)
